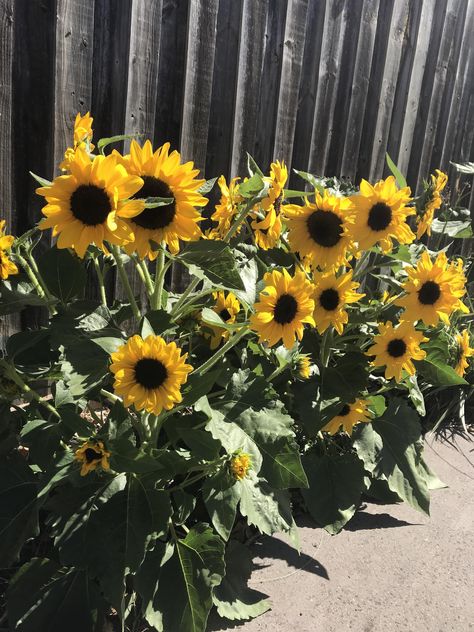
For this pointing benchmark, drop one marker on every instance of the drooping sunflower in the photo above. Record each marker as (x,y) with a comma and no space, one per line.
(381,213)
(89,205)
(164,176)
(350,415)
(149,373)
(82,135)
(396,348)
(227,307)
(226,209)
(433,203)
(303,366)
(285,305)
(266,220)
(433,290)
(463,351)
(92,454)
(240,464)
(331,296)
(7,267)
(320,232)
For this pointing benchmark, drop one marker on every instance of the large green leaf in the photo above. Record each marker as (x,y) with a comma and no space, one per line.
(212,260)
(221,495)
(336,483)
(43,439)
(12,301)
(165,464)
(438,373)
(267,509)
(63,273)
(84,366)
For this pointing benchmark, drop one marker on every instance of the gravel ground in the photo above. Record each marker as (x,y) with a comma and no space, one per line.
(391,570)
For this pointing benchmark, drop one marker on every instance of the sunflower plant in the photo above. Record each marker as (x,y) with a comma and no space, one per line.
(146,439)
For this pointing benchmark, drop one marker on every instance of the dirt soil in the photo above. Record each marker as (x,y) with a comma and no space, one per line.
(391,570)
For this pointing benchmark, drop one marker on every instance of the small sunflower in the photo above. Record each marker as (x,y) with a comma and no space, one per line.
(276,181)
(88,205)
(463,351)
(285,305)
(227,208)
(348,417)
(82,135)
(163,176)
(149,373)
(438,182)
(7,267)
(381,213)
(240,464)
(320,232)
(266,220)
(227,307)
(303,367)
(331,296)
(434,290)
(92,454)
(396,348)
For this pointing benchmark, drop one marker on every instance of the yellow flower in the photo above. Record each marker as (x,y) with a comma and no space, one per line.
(463,351)
(395,348)
(434,290)
(303,366)
(381,213)
(226,209)
(92,454)
(276,181)
(227,307)
(348,417)
(331,296)
(88,205)
(285,305)
(438,182)
(149,373)
(266,221)
(7,267)
(163,176)
(82,134)
(319,232)
(240,464)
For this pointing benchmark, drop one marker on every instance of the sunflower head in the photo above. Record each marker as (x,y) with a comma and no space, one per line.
(240,464)
(226,209)
(349,415)
(320,232)
(277,180)
(396,348)
(433,290)
(285,305)
(303,366)
(331,296)
(7,267)
(381,213)
(92,454)
(82,136)
(433,202)
(227,306)
(89,205)
(149,373)
(266,224)
(163,176)
(462,352)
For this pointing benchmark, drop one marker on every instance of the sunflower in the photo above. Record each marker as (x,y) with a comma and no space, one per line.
(276,182)
(348,417)
(331,296)
(285,305)
(396,348)
(303,367)
(226,209)
(266,220)
(163,176)
(381,213)
(7,267)
(88,205)
(240,464)
(227,307)
(149,373)
(82,135)
(463,351)
(434,290)
(320,232)
(92,454)
(438,182)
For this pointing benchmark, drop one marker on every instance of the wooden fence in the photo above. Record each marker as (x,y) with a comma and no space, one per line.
(327,85)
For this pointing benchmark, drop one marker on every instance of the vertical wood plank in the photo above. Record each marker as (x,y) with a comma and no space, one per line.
(292,63)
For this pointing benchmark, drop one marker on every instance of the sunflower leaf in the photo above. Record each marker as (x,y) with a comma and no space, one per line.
(155,202)
(207,186)
(40,180)
(438,373)
(103,142)
(213,261)
(401,181)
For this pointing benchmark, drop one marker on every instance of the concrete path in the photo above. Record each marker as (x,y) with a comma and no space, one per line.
(391,570)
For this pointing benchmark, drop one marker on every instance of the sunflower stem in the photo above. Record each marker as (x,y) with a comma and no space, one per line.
(277,372)
(125,282)
(12,374)
(240,218)
(100,278)
(108,395)
(325,352)
(221,352)
(144,273)
(39,287)
(191,287)
(159,279)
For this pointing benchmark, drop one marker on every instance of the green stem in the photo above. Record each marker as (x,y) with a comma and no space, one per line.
(159,279)
(240,218)
(11,373)
(277,372)
(125,282)
(111,396)
(326,347)
(145,275)
(32,276)
(222,351)
(100,278)
(191,287)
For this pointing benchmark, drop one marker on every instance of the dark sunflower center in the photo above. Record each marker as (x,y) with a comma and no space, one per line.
(429,293)
(285,309)
(380,216)
(329,299)
(90,204)
(150,373)
(396,347)
(92,455)
(224,314)
(161,216)
(346,409)
(325,228)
